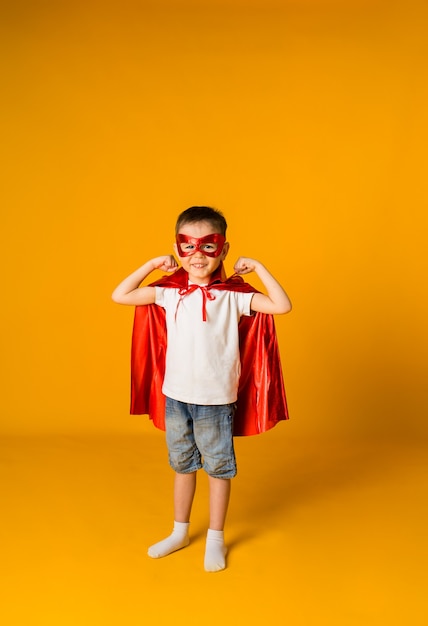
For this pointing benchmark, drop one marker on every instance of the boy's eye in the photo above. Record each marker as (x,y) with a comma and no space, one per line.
(207,247)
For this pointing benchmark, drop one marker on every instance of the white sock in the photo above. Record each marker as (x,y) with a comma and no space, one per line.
(215,551)
(179,538)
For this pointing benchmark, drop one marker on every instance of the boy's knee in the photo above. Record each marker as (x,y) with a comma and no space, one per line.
(220,470)
(184,466)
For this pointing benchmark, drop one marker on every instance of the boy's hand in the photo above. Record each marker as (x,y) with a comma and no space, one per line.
(245,265)
(165,263)
(129,290)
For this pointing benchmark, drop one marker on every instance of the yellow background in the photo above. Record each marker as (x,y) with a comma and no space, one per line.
(305,122)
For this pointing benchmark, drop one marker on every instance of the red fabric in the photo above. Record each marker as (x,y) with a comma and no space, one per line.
(261,394)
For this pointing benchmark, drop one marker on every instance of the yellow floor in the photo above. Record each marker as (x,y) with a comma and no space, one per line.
(322,533)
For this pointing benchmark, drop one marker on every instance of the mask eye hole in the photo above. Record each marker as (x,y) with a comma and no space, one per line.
(187,247)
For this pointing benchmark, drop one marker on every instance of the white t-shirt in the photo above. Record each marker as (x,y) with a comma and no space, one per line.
(202,358)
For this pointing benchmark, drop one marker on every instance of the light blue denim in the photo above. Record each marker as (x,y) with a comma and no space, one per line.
(200,436)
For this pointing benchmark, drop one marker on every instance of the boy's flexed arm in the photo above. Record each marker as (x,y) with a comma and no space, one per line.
(275,300)
(129,290)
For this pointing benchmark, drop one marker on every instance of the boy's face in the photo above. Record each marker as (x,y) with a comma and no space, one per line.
(198,265)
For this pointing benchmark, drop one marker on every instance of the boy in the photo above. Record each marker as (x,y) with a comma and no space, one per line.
(202,364)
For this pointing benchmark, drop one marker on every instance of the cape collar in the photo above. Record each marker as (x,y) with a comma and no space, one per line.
(180,280)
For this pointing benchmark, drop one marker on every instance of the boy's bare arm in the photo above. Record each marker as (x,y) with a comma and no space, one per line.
(275,301)
(129,290)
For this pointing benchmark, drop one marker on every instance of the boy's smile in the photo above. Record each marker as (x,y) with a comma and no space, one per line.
(198,265)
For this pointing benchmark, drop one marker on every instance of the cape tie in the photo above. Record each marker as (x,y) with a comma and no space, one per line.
(206,295)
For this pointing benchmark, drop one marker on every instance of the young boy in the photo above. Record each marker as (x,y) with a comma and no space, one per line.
(202,364)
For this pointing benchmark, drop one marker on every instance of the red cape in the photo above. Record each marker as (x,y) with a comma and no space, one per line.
(261,395)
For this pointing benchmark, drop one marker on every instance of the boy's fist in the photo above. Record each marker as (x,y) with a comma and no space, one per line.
(165,263)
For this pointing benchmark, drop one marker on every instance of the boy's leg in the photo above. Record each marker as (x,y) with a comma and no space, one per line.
(219,501)
(215,551)
(214,438)
(184,491)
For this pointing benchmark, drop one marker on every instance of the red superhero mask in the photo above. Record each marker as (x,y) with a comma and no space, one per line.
(210,245)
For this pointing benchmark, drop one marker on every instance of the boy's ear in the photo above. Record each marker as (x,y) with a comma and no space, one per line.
(176,250)
(225,250)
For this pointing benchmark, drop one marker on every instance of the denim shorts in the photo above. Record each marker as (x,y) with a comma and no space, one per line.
(200,436)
